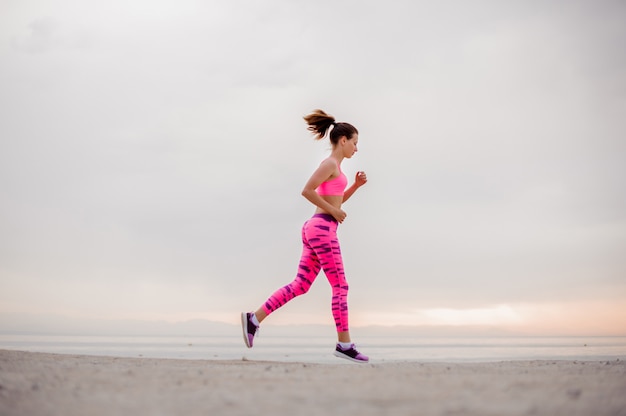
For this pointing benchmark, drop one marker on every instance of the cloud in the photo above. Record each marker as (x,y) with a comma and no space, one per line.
(158,148)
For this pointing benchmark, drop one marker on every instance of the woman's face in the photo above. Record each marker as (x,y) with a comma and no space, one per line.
(350,146)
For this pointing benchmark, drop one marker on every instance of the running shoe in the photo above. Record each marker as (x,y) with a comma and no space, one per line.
(249,328)
(351,354)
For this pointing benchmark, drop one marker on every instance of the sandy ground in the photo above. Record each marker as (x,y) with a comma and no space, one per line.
(50,384)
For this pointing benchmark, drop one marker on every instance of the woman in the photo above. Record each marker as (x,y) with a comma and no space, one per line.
(326,189)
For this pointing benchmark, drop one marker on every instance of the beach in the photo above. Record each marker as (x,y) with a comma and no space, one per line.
(62,384)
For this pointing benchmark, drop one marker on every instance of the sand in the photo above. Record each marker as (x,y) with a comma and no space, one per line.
(56,384)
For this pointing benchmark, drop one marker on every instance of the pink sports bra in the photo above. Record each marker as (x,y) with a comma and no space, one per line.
(335,186)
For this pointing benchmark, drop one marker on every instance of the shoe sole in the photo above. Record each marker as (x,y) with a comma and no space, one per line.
(345,357)
(244,326)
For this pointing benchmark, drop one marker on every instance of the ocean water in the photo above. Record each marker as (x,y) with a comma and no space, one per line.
(319,349)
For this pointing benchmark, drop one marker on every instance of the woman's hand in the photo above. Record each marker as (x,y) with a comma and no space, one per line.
(339,215)
(360,179)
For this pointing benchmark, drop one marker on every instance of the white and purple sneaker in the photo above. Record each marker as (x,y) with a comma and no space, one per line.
(351,354)
(249,328)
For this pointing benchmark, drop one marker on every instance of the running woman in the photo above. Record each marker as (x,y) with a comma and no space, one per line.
(326,189)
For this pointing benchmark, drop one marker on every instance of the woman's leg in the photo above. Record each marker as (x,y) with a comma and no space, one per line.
(308,269)
(322,235)
(332,263)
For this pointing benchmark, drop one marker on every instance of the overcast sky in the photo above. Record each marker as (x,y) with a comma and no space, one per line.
(152,155)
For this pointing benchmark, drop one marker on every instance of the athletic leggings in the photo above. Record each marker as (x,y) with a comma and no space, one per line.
(320,250)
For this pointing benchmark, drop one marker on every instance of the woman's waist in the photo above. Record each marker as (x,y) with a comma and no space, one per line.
(325,216)
(334,200)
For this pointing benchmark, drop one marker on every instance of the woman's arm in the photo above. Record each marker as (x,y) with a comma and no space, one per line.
(323,173)
(359,180)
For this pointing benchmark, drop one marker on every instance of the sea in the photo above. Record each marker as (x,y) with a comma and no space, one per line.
(380,349)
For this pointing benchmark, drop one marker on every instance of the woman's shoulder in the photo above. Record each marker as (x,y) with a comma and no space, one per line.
(329,168)
(330,161)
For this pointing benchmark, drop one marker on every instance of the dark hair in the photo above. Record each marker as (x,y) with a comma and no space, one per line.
(320,122)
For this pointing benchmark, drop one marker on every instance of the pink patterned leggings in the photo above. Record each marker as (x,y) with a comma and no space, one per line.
(320,250)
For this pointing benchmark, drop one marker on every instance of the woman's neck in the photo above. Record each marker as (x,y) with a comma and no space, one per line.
(337,154)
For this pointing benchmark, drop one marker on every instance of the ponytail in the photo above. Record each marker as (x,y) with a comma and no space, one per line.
(320,122)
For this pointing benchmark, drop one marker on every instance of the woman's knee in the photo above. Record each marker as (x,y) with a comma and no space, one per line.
(340,290)
(300,286)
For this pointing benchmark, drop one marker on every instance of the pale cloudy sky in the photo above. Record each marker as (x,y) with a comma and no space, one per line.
(152,155)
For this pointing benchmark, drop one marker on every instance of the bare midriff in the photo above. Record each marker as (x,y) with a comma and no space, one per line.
(334,200)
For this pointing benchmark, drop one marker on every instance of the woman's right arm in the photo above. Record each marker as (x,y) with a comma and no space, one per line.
(322,174)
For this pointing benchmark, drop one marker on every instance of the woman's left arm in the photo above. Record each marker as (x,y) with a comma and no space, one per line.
(359,180)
